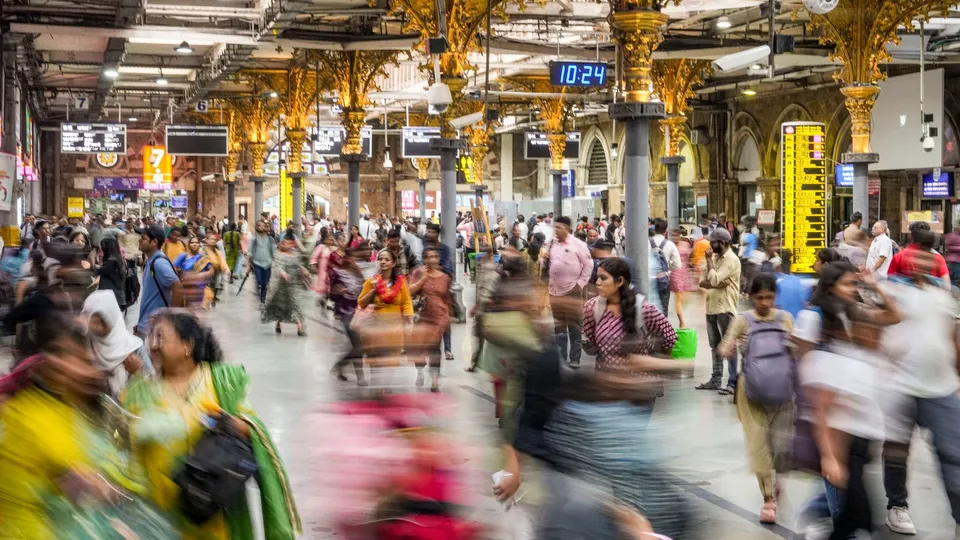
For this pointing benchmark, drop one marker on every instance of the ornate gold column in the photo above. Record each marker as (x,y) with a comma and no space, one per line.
(860,31)
(638,30)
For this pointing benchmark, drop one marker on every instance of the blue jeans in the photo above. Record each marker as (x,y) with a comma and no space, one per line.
(568,323)
(717,328)
(262,276)
(446,341)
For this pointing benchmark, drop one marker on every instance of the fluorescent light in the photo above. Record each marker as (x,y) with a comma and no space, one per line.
(132,119)
(184,48)
(387,162)
(274,95)
(724,23)
(756,67)
(748,92)
(162,81)
(111,73)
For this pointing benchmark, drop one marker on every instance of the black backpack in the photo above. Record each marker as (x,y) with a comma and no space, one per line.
(214,477)
(131,286)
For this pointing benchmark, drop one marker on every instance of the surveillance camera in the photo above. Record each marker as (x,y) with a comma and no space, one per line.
(821,7)
(742,59)
(928,144)
(467,120)
(208,177)
(439,97)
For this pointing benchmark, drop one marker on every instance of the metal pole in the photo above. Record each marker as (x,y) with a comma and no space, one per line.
(448,200)
(353,187)
(297,181)
(557,175)
(636,179)
(257,197)
(423,201)
(232,202)
(861,191)
(673,190)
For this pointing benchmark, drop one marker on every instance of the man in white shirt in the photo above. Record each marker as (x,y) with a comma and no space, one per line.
(923,388)
(670,252)
(544,228)
(881,250)
(524,230)
(368,227)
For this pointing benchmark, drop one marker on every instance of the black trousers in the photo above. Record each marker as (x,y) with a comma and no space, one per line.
(855,513)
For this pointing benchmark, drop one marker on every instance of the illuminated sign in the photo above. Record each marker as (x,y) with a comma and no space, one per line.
(536,145)
(93,138)
(579,74)
(939,187)
(157,165)
(416,142)
(803,176)
(843,173)
(330,139)
(201,140)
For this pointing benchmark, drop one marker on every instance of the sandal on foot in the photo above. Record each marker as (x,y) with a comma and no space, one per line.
(727,391)
(768,513)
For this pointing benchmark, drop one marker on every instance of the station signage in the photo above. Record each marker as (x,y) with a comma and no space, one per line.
(803,176)
(329,140)
(937,186)
(416,142)
(117,183)
(157,165)
(178,201)
(536,145)
(578,74)
(843,172)
(198,140)
(95,138)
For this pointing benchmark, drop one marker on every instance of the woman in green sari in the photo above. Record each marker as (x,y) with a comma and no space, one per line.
(171,409)
(232,248)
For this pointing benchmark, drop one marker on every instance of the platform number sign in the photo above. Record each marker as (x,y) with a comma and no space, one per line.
(81,102)
(202,106)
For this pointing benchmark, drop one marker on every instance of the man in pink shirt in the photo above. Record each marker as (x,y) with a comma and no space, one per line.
(570,269)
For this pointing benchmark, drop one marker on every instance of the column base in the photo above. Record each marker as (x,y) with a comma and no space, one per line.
(673,160)
(628,111)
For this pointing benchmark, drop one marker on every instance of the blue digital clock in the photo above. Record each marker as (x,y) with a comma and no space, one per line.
(581,74)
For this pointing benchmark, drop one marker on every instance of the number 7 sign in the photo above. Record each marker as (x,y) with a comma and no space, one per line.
(81,102)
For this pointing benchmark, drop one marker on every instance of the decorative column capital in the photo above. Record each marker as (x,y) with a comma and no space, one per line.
(353,121)
(258,156)
(423,167)
(638,32)
(672,127)
(297,138)
(860,102)
(557,142)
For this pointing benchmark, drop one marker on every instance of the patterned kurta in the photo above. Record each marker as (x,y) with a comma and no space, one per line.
(286,300)
(607,336)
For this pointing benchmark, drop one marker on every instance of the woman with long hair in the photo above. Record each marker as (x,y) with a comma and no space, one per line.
(82,241)
(625,330)
(839,386)
(355,238)
(195,270)
(387,291)
(170,414)
(288,286)
(434,285)
(113,272)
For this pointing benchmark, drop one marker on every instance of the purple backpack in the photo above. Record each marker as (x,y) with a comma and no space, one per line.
(767,361)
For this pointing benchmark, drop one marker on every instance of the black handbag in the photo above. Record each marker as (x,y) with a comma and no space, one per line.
(214,477)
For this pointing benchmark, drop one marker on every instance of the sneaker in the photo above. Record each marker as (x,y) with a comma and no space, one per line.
(819,530)
(574,364)
(709,385)
(898,521)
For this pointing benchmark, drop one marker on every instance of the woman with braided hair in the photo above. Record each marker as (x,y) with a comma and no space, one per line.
(623,328)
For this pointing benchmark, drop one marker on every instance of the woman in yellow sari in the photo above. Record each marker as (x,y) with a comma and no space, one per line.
(173,411)
(195,271)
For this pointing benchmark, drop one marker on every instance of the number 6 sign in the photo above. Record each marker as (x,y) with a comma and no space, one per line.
(202,106)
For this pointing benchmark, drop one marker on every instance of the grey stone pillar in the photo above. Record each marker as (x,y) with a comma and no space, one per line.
(297,181)
(423,201)
(673,190)
(636,180)
(557,176)
(353,187)
(257,197)
(232,201)
(448,211)
(861,179)
(11,112)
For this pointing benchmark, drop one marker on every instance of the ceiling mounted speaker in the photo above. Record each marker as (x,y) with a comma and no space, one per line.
(821,7)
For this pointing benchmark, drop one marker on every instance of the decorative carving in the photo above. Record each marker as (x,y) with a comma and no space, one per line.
(423,167)
(655,5)
(557,143)
(860,30)
(352,74)
(860,101)
(258,156)
(638,29)
(673,81)
(296,88)
(353,121)
(672,127)
(296,138)
(231,165)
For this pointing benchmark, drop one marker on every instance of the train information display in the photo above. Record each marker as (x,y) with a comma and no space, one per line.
(329,140)
(537,145)
(803,189)
(198,140)
(416,142)
(95,138)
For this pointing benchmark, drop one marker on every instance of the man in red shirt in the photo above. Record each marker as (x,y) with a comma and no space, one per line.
(905,262)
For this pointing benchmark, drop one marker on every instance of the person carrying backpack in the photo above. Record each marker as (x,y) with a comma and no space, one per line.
(667,258)
(765,390)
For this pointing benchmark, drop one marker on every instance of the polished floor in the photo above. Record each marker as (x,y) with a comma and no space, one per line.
(701,437)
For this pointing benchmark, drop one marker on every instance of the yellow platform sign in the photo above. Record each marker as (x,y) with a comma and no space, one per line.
(803,192)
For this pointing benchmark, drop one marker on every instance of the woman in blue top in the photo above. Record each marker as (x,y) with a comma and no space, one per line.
(195,271)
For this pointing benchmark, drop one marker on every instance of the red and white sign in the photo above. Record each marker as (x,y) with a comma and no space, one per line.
(410,200)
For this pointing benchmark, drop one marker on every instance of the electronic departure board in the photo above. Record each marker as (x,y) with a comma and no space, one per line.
(329,140)
(202,140)
(803,192)
(416,142)
(93,138)
(537,146)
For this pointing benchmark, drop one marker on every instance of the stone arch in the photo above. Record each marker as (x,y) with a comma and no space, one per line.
(839,124)
(319,187)
(594,136)
(791,113)
(746,146)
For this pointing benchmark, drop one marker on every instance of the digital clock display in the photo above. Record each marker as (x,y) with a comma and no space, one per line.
(582,74)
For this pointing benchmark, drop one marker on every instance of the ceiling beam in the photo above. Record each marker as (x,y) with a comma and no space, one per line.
(127,11)
(166,33)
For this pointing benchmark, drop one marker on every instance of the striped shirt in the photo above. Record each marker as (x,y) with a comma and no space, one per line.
(607,335)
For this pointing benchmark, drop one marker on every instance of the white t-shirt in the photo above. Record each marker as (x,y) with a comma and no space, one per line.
(544,228)
(921,346)
(881,246)
(524,231)
(670,251)
(758,257)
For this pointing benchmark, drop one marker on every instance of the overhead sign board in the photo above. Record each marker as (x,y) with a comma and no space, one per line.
(937,186)
(117,183)
(843,173)
(157,165)
(536,145)
(93,138)
(578,74)
(416,142)
(803,176)
(329,141)
(201,140)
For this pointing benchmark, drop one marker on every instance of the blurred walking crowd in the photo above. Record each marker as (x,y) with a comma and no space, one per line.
(108,432)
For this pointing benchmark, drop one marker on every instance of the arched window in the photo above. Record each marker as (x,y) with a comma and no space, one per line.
(597,165)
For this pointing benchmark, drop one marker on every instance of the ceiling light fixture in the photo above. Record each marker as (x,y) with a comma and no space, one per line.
(132,119)
(748,92)
(723,23)
(184,48)
(162,81)
(756,67)
(274,95)
(111,73)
